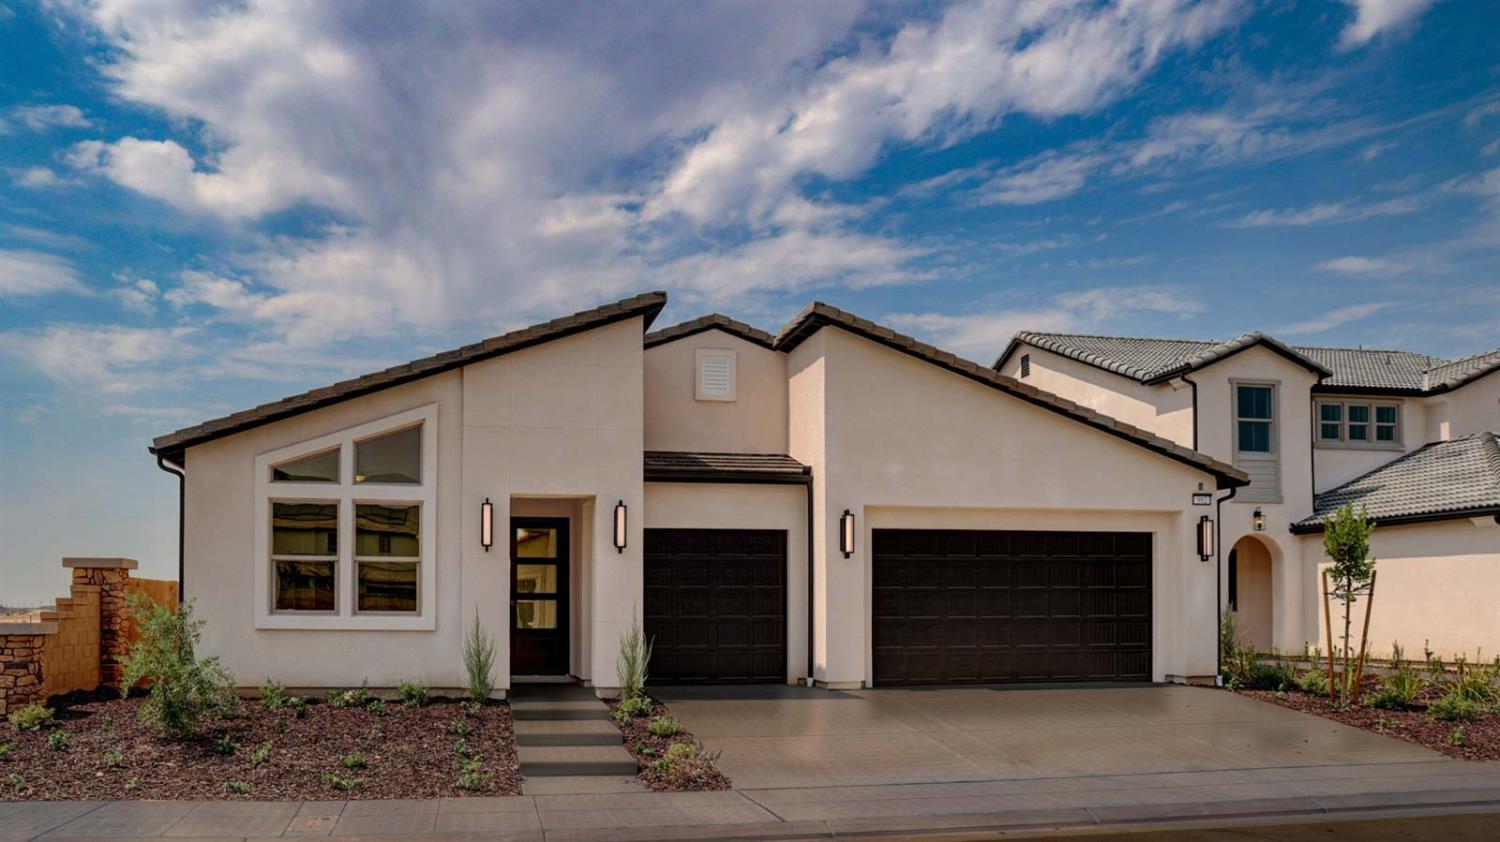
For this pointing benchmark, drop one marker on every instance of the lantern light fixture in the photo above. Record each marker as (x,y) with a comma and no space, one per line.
(1205,538)
(846,533)
(487,524)
(1258,517)
(620,522)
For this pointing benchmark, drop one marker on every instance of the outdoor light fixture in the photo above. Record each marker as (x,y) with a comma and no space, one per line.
(487,524)
(1259,519)
(1205,538)
(846,533)
(620,526)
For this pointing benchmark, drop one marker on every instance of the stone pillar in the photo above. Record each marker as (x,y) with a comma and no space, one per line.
(21,648)
(111,576)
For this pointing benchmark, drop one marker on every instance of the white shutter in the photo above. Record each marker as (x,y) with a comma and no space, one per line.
(715,376)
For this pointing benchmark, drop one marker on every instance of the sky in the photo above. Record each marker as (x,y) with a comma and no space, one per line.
(205,206)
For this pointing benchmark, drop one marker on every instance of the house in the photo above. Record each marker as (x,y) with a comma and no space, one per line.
(1409,436)
(837,502)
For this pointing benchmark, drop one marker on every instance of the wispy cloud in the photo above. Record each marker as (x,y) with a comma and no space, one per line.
(101,358)
(1324,214)
(28,273)
(1357,265)
(40,118)
(1334,319)
(1375,17)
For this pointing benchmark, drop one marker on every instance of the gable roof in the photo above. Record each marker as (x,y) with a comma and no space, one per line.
(712,321)
(819,315)
(1443,480)
(172,445)
(1357,370)
(693,466)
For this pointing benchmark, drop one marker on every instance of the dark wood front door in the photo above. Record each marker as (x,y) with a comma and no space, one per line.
(539,596)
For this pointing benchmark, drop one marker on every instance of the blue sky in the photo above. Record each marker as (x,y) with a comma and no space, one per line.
(210,205)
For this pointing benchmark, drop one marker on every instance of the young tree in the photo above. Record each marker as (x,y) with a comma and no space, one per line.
(1346,542)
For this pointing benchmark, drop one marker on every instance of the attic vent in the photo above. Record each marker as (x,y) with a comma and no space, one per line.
(1025,365)
(715,375)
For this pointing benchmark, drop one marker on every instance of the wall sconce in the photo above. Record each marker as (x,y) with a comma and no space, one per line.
(620,526)
(1205,538)
(487,524)
(1258,518)
(846,533)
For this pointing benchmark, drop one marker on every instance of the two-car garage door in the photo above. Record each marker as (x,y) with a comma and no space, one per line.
(966,606)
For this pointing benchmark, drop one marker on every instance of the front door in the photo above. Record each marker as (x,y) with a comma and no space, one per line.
(539,596)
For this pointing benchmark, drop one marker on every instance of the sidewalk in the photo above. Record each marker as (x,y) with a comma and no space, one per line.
(1087,802)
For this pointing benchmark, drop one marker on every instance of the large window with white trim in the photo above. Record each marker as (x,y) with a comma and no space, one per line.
(347,527)
(1343,422)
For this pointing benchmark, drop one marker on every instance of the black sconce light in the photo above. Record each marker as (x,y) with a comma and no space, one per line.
(620,514)
(487,524)
(1205,538)
(846,533)
(1258,517)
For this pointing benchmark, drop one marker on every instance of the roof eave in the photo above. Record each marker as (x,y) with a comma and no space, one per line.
(1399,520)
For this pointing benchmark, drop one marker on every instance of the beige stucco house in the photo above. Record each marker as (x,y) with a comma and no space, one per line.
(1410,437)
(837,502)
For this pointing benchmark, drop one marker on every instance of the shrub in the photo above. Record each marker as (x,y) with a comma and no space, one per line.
(1455,706)
(297,705)
(113,757)
(226,746)
(633,661)
(273,696)
(470,707)
(376,707)
(1313,682)
(32,717)
(184,689)
(1263,676)
(473,775)
(462,728)
(357,698)
(479,660)
(663,726)
(635,706)
(57,740)
(237,787)
(413,693)
(261,755)
(1456,736)
(683,751)
(1401,687)
(18,781)
(133,783)
(620,716)
(462,749)
(354,760)
(6,748)
(107,723)
(344,784)
(1474,683)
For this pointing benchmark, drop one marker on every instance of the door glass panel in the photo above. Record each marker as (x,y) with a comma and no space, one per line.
(536,578)
(536,543)
(536,614)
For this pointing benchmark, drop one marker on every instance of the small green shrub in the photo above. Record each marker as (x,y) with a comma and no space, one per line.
(32,717)
(6,748)
(114,757)
(683,751)
(184,689)
(1275,676)
(237,787)
(663,726)
(413,693)
(133,783)
(479,661)
(1456,736)
(635,706)
(462,727)
(1402,686)
(633,661)
(470,707)
(342,784)
(226,746)
(354,760)
(106,723)
(620,717)
(57,740)
(261,755)
(1475,683)
(462,749)
(473,775)
(1455,706)
(297,705)
(17,781)
(376,707)
(356,698)
(273,696)
(1313,682)
(645,750)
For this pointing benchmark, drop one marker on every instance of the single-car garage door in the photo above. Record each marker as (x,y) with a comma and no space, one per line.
(956,606)
(716,604)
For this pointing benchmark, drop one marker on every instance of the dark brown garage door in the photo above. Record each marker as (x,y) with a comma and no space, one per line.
(956,606)
(716,604)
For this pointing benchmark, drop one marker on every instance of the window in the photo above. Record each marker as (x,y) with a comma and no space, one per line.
(1345,423)
(714,375)
(1025,365)
(1254,424)
(349,534)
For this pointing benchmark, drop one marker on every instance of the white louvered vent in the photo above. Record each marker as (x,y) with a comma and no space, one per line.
(715,380)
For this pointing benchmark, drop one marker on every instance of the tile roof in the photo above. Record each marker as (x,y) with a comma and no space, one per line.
(1446,479)
(712,321)
(667,465)
(818,315)
(172,445)
(1345,369)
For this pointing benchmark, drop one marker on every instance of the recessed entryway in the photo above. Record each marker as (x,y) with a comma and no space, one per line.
(539,596)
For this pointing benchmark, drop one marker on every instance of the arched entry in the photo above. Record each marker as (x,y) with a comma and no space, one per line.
(1250,590)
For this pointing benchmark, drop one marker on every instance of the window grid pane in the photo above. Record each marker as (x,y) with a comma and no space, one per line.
(1255,437)
(392,458)
(1359,413)
(387,586)
(387,531)
(305,529)
(303,585)
(1385,415)
(1332,412)
(1385,432)
(1330,432)
(320,467)
(1255,402)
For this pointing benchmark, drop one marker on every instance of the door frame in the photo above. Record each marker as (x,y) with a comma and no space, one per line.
(563,597)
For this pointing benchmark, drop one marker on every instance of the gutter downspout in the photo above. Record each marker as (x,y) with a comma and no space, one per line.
(809,530)
(1195,409)
(181,473)
(1219,583)
(1312,448)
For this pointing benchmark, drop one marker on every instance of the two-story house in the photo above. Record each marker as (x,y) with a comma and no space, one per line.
(1409,436)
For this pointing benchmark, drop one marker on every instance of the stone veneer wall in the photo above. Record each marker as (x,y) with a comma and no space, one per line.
(79,644)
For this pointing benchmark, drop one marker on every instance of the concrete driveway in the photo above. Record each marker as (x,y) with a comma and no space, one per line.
(775,737)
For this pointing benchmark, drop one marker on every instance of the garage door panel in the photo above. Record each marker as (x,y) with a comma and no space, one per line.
(994,606)
(716,605)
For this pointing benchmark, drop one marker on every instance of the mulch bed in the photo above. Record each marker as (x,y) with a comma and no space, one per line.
(409,753)
(1480,738)
(698,774)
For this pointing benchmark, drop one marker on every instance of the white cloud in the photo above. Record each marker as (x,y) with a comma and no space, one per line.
(1333,319)
(1324,214)
(1357,265)
(40,118)
(37,177)
(1041,179)
(1481,113)
(1373,17)
(149,413)
(137,295)
(99,358)
(25,272)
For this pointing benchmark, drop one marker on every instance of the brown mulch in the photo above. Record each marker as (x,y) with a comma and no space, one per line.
(409,752)
(1480,738)
(698,774)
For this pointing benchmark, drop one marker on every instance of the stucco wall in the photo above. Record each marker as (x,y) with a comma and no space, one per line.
(958,445)
(1438,585)
(724,506)
(1164,409)
(1335,465)
(1473,408)
(755,422)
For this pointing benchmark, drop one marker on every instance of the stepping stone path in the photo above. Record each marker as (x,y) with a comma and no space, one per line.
(566,743)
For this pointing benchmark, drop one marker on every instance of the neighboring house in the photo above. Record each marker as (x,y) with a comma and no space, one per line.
(1407,435)
(836,501)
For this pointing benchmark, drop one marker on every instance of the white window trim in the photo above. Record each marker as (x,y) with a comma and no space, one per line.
(1343,442)
(1273,424)
(702,354)
(347,494)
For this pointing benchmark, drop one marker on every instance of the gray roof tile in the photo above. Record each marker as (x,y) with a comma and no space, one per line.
(712,321)
(1458,477)
(664,465)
